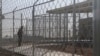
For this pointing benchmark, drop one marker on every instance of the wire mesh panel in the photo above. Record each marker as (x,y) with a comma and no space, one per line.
(12,23)
(50,28)
(63,27)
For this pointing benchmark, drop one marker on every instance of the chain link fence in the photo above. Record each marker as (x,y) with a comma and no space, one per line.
(51,27)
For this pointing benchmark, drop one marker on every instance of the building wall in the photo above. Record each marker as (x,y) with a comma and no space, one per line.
(85,28)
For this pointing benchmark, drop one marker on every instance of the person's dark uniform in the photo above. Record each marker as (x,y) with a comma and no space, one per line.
(20,32)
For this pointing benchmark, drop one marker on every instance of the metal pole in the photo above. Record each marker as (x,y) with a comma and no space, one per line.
(33,29)
(96,28)
(21,19)
(67,26)
(13,22)
(74,27)
(13,25)
(59,26)
(26,25)
(33,17)
(0,23)
(64,32)
(13,28)
(79,25)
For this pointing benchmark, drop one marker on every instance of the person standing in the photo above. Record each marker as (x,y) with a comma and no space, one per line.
(20,32)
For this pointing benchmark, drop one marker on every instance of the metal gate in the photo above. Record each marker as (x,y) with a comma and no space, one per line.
(51,28)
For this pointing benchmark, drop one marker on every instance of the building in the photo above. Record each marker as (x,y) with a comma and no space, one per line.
(85,28)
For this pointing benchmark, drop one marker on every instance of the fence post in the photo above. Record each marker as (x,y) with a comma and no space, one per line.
(21,19)
(0,23)
(96,28)
(33,30)
(13,26)
(26,26)
(13,22)
(33,18)
(74,27)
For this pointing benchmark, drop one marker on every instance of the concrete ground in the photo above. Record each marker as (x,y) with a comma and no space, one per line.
(4,52)
(53,50)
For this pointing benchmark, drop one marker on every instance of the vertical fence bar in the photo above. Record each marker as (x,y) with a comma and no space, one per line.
(21,19)
(74,26)
(67,26)
(52,25)
(0,23)
(33,16)
(40,29)
(88,35)
(96,28)
(59,27)
(50,30)
(26,26)
(64,23)
(46,20)
(13,26)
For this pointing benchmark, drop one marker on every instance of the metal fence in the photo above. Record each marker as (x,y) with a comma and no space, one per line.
(51,28)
